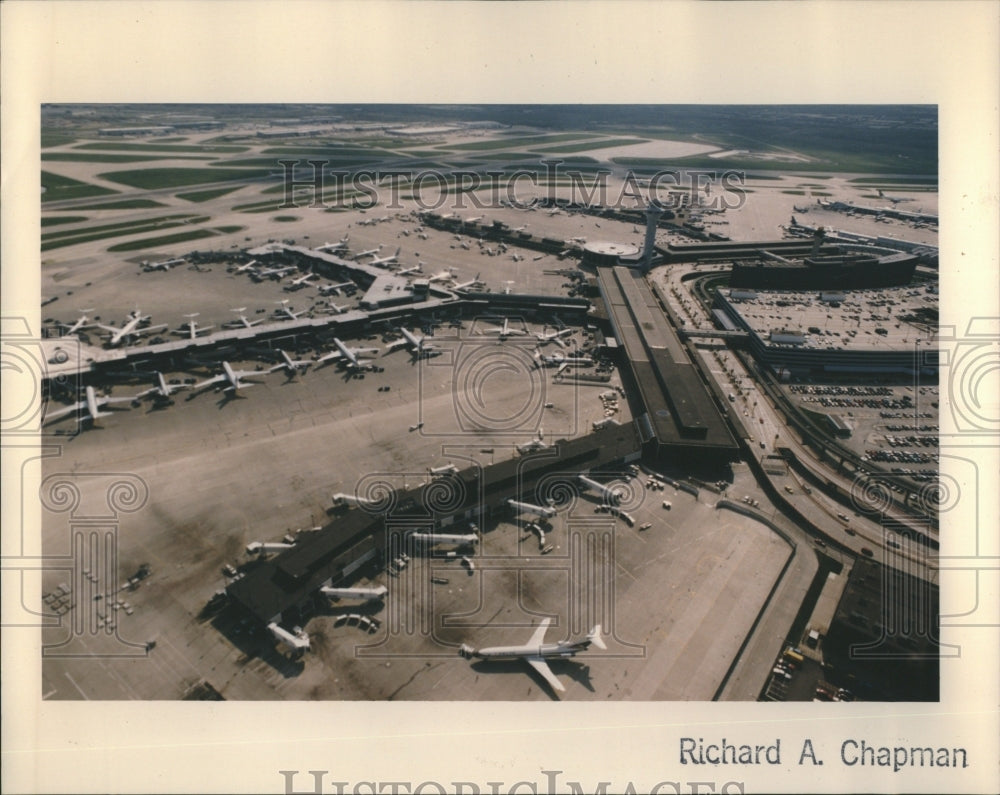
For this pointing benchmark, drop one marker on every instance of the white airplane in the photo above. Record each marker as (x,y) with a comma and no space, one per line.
(418,268)
(331,308)
(611,494)
(477,282)
(244,268)
(91,403)
(561,361)
(273,273)
(378,592)
(285,313)
(327,289)
(340,244)
(82,322)
(535,652)
(370,253)
(469,539)
(191,328)
(474,218)
(162,266)
(297,642)
(290,365)
(418,343)
(161,391)
(386,260)
(505,330)
(553,337)
(545,512)
(130,328)
(894,199)
(442,276)
(242,319)
(519,228)
(230,375)
(302,281)
(348,355)
(538,443)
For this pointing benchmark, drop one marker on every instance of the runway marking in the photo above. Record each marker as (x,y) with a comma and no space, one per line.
(78,689)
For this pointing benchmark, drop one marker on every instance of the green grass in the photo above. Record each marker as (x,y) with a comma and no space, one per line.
(125,204)
(286,219)
(59,188)
(86,157)
(153,222)
(53,240)
(586,147)
(55,220)
(323,151)
(228,230)
(155,178)
(123,147)
(53,138)
(504,143)
(153,242)
(205,195)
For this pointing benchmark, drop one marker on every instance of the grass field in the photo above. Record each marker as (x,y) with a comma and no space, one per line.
(98,157)
(55,220)
(166,240)
(52,138)
(205,195)
(228,230)
(162,147)
(505,143)
(586,147)
(59,188)
(125,204)
(155,178)
(130,225)
(54,240)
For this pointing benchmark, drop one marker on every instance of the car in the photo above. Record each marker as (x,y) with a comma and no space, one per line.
(867,552)
(850,531)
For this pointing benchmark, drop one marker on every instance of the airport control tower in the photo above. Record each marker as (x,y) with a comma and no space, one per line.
(653,213)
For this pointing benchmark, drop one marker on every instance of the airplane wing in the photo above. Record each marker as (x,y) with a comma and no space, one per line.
(148,329)
(542,667)
(539,634)
(326,357)
(51,416)
(209,382)
(398,344)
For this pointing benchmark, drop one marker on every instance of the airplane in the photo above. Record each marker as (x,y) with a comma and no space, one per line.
(130,328)
(298,642)
(611,494)
(377,592)
(245,268)
(272,273)
(553,337)
(242,320)
(469,539)
(341,244)
(442,276)
(386,260)
(519,228)
(545,512)
(370,253)
(191,327)
(91,402)
(162,266)
(290,365)
(418,268)
(348,355)
(506,289)
(287,313)
(331,308)
(82,322)
(160,392)
(474,218)
(537,443)
(535,652)
(228,374)
(477,282)
(326,289)
(505,330)
(302,281)
(894,199)
(418,344)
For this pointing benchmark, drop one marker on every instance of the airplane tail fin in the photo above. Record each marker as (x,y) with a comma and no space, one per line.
(594,636)
(466,651)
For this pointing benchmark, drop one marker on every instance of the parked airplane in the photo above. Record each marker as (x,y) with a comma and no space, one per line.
(331,308)
(377,592)
(228,374)
(545,512)
(468,539)
(298,642)
(418,268)
(477,282)
(538,443)
(242,319)
(386,260)
(285,313)
(370,253)
(91,403)
(290,365)
(349,356)
(191,328)
(505,330)
(302,281)
(160,392)
(553,337)
(244,268)
(340,244)
(327,289)
(535,652)
(272,273)
(442,276)
(162,266)
(418,344)
(82,322)
(611,494)
(130,328)
(894,199)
